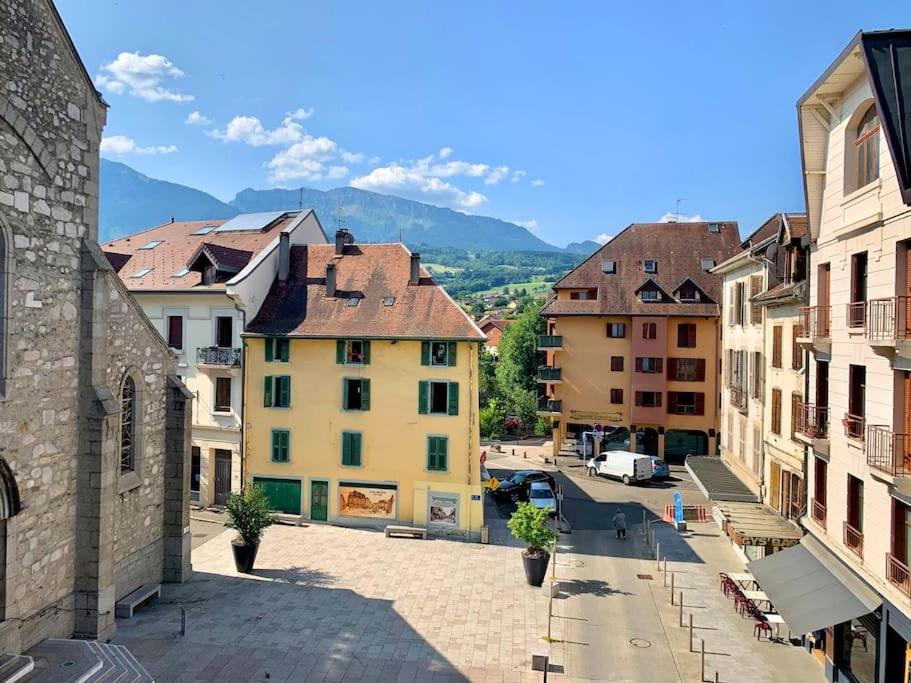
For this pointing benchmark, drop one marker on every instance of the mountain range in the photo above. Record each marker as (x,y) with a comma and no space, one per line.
(131,201)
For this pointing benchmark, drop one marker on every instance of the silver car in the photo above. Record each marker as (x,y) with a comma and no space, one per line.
(542,496)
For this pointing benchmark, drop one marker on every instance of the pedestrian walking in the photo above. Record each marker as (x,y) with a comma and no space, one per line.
(620,524)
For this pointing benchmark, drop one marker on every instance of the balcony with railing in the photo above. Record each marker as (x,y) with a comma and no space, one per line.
(549,406)
(854,540)
(887,451)
(812,423)
(855,427)
(888,322)
(814,326)
(218,356)
(739,398)
(898,574)
(550,342)
(818,512)
(856,314)
(546,373)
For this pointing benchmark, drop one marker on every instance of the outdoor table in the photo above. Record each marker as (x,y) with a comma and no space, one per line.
(742,578)
(775,618)
(758,596)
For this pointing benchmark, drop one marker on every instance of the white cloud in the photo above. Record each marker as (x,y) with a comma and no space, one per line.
(671,217)
(496,175)
(301,114)
(337,172)
(529,224)
(603,238)
(195,118)
(537,183)
(142,75)
(306,160)
(517,175)
(411,182)
(250,130)
(352,157)
(446,152)
(121,144)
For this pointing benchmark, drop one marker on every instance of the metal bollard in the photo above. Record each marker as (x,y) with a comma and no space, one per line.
(658,555)
(672,588)
(702,659)
(183,621)
(691,631)
(681,609)
(665,564)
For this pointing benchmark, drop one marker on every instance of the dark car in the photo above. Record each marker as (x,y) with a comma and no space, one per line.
(516,487)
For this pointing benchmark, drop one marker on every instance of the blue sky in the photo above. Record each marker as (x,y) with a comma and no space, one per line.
(572,118)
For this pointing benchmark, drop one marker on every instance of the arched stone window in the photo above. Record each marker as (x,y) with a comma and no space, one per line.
(4,289)
(128,418)
(866,149)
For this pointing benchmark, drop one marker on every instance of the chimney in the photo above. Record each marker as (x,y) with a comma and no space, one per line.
(342,237)
(415,276)
(330,279)
(284,256)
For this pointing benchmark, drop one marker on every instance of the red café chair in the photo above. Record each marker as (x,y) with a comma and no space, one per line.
(760,626)
(723,580)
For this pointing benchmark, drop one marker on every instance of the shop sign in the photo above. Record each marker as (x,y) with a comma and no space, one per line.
(592,416)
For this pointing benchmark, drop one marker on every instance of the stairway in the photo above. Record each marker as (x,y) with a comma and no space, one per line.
(84,661)
(15,667)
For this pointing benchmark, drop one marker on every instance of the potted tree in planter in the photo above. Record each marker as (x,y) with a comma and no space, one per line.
(248,514)
(529,525)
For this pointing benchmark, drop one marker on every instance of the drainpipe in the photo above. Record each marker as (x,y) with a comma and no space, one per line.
(764,262)
(243,393)
(806,392)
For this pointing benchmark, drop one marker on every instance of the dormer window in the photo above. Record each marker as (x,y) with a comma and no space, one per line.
(650,266)
(707,264)
(714,227)
(649,295)
(584,295)
(609,267)
(208,274)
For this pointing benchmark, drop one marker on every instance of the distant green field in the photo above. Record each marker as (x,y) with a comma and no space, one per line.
(440,269)
(535,288)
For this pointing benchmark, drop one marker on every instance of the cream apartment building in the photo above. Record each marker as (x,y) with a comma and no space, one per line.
(854,594)
(178,272)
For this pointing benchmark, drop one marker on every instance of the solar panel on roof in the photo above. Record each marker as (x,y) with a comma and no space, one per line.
(205,230)
(250,222)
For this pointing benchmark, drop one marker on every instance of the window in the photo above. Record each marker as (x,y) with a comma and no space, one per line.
(707,264)
(857,389)
(281,445)
(388,301)
(224,331)
(648,399)
(776,346)
(686,336)
(584,295)
(616,396)
(714,227)
(609,267)
(437,453)
(438,353)
(175,332)
(857,306)
(208,274)
(195,472)
(141,272)
(223,394)
(356,394)
(649,364)
(796,351)
(351,449)
(438,398)
(755,309)
(649,330)
(795,408)
(686,369)
(205,230)
(181,272)
(278,350)
(3,305)
(650,266)
(689,292)
(354,300)
(742,442)
(616,363)
(649,294)
(277,392)
(685,403)
(352,352)
(128,425)
(866,144)
(758,379)
(616,330)
(776,411)
(856,503)
(151,245)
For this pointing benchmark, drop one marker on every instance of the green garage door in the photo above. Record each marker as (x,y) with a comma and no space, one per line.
(284,494)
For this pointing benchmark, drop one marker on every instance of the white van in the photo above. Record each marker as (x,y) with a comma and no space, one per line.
(623,465)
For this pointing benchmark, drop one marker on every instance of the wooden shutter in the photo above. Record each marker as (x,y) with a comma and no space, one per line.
(267,393)
(700,403)
(755,309)
(365,394)
(700,370)
(672,368)
(285,350)
(365,349)
(638,398)
(796,352)
(658,399)
(276,445)
(659,365)
(776,346)
(340,351)
(270,350)
(795,401)
(672,402)
(284,393)
(691,335)
(423,397)
(425,353)
(776,411)
(451,349)
(453,398)
(732,306)
(355,440)
(638,365)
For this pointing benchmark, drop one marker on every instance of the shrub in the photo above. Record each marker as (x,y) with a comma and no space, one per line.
(529,524)
(248,514)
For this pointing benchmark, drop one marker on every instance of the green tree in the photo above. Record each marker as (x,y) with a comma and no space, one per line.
(519,357)
(487,386)
(491,419)
(477,308)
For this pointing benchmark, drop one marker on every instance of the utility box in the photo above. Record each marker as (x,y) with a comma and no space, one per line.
(540,660)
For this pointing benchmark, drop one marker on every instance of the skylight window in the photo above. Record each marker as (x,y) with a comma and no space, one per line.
(141,272)
(181,272)
(609,267)
(205,230)
(708,264)
(650,266)
(388,301)
(714,227)
(152,244)
(354,301)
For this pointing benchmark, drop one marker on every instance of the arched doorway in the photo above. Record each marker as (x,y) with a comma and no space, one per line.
(10,505)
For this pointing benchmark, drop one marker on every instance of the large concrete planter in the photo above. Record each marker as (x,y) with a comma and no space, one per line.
(245,556)
(535,568)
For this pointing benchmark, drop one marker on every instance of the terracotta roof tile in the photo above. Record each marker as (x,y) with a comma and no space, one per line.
(678,249)
(798,224)
(371,273)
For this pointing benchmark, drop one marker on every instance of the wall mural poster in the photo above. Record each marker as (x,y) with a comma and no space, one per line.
(444,509)
(363,500)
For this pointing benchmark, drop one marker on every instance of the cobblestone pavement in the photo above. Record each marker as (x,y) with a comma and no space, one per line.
(333,604)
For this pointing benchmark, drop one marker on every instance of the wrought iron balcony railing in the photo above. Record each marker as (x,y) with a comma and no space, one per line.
(218,355)
(888,319)
(813,421)
(814,322)
(856,314)
(549,405)
(898,574)
(887,451)
(739,397)
(819,513)
(854,540)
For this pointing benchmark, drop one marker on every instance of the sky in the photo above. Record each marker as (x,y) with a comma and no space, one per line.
(573,119)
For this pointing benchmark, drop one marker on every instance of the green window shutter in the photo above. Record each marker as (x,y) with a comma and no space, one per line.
(284,350)
(423,397)
(425,353)
(344,394)
(442,452)
(354,449)
(270,352)
(451,353)
(431,452)
(346,448)
(267,393)
(436,452)
(284,391)
(286,446)
(365,345)
(281,445)
(276,445)
(340,351)
(453,398)
(365,394)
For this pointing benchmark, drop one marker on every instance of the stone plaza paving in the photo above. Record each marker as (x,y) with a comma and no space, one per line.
(334,604)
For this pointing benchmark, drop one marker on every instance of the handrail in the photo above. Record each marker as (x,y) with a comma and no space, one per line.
(887,451)
(854,540)
(813,420)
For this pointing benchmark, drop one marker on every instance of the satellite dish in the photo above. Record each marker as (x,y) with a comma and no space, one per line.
(771,252)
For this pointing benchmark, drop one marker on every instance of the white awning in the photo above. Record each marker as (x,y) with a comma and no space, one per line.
(811,588)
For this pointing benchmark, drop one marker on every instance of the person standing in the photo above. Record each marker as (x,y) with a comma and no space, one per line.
(620,524)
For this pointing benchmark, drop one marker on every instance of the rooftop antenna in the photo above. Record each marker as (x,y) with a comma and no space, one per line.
(339,212)
(677,215)
(300,199)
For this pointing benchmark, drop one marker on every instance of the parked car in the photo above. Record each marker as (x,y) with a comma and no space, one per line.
(541,495)
(660,470)
(623,465)
(516,487)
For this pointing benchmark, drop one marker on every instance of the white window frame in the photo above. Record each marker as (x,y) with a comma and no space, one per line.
(445,362)
(215,314)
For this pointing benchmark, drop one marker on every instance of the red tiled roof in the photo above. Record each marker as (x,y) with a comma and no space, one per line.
(223,256)
(500,323)
(372,273)
(678,249)
(797,222)
(178,246)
